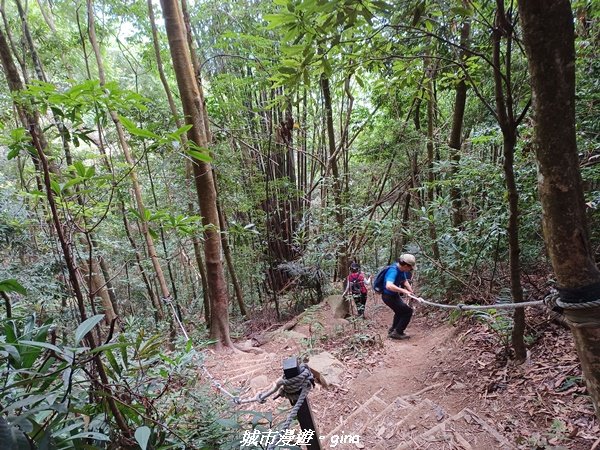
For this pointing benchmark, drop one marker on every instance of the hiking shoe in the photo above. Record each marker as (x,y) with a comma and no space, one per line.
(400,336)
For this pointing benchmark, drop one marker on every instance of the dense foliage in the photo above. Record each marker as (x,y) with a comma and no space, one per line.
(331,128)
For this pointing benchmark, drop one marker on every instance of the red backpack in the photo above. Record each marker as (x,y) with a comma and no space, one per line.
(356,283)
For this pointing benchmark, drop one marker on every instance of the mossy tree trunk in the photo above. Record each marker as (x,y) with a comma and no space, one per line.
(548,35)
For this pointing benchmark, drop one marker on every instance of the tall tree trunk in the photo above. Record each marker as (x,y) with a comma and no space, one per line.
(332,165)
(193,108)
(456,133)
(188,164)
(549,43)
(430,74)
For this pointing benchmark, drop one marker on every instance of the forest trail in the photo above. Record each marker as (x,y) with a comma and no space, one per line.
(414,394)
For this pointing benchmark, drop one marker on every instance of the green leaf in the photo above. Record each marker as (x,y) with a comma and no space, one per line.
(183,129)
(55,187)
(462,11)
(287,70)
(113,361)
(45,345)
(79,168)
(13,153)
(105,347)
(152,233)
(327,68)
(277,20)
(204,157)
(142,435)
(360,81)
(72,182)
(89,435)
(12,285)
(12,351)
(87,326)
(25,402)
(135,131)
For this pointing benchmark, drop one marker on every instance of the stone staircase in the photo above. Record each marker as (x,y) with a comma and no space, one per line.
(251,373)
(412,423)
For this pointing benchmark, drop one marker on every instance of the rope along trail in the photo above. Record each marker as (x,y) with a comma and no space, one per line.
(295,388)
(550,301)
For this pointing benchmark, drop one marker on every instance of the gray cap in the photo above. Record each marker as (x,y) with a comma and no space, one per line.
(409,259)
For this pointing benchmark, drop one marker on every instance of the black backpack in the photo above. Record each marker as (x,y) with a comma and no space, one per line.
(379,282)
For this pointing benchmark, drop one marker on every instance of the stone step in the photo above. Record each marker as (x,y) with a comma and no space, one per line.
(251,367)
(357,421)
(399,421)
(247,364)
(465,431)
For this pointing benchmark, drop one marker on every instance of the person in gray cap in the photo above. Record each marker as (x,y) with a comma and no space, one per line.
(396,283)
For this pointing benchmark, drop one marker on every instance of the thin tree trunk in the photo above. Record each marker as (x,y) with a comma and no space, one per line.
(107,278)
(508,126)
(163,240)
(13,47)
(430,73)
(47,16)
(7,304)
(72,270)
(230,265)
(37,64)
(158,310)
(130,161)
(97,287)
(39,143)
(203,279)
(98,278)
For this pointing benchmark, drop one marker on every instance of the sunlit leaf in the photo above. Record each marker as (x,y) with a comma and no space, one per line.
(142,435)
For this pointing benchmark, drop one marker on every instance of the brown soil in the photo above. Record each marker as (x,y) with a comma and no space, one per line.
(538,405)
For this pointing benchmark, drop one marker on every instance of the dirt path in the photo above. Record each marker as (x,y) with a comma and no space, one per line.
(423,393)
(411,374)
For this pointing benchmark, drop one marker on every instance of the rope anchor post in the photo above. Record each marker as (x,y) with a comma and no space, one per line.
(292,369)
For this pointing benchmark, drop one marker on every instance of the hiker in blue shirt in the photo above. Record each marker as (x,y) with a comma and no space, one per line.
(396,283)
